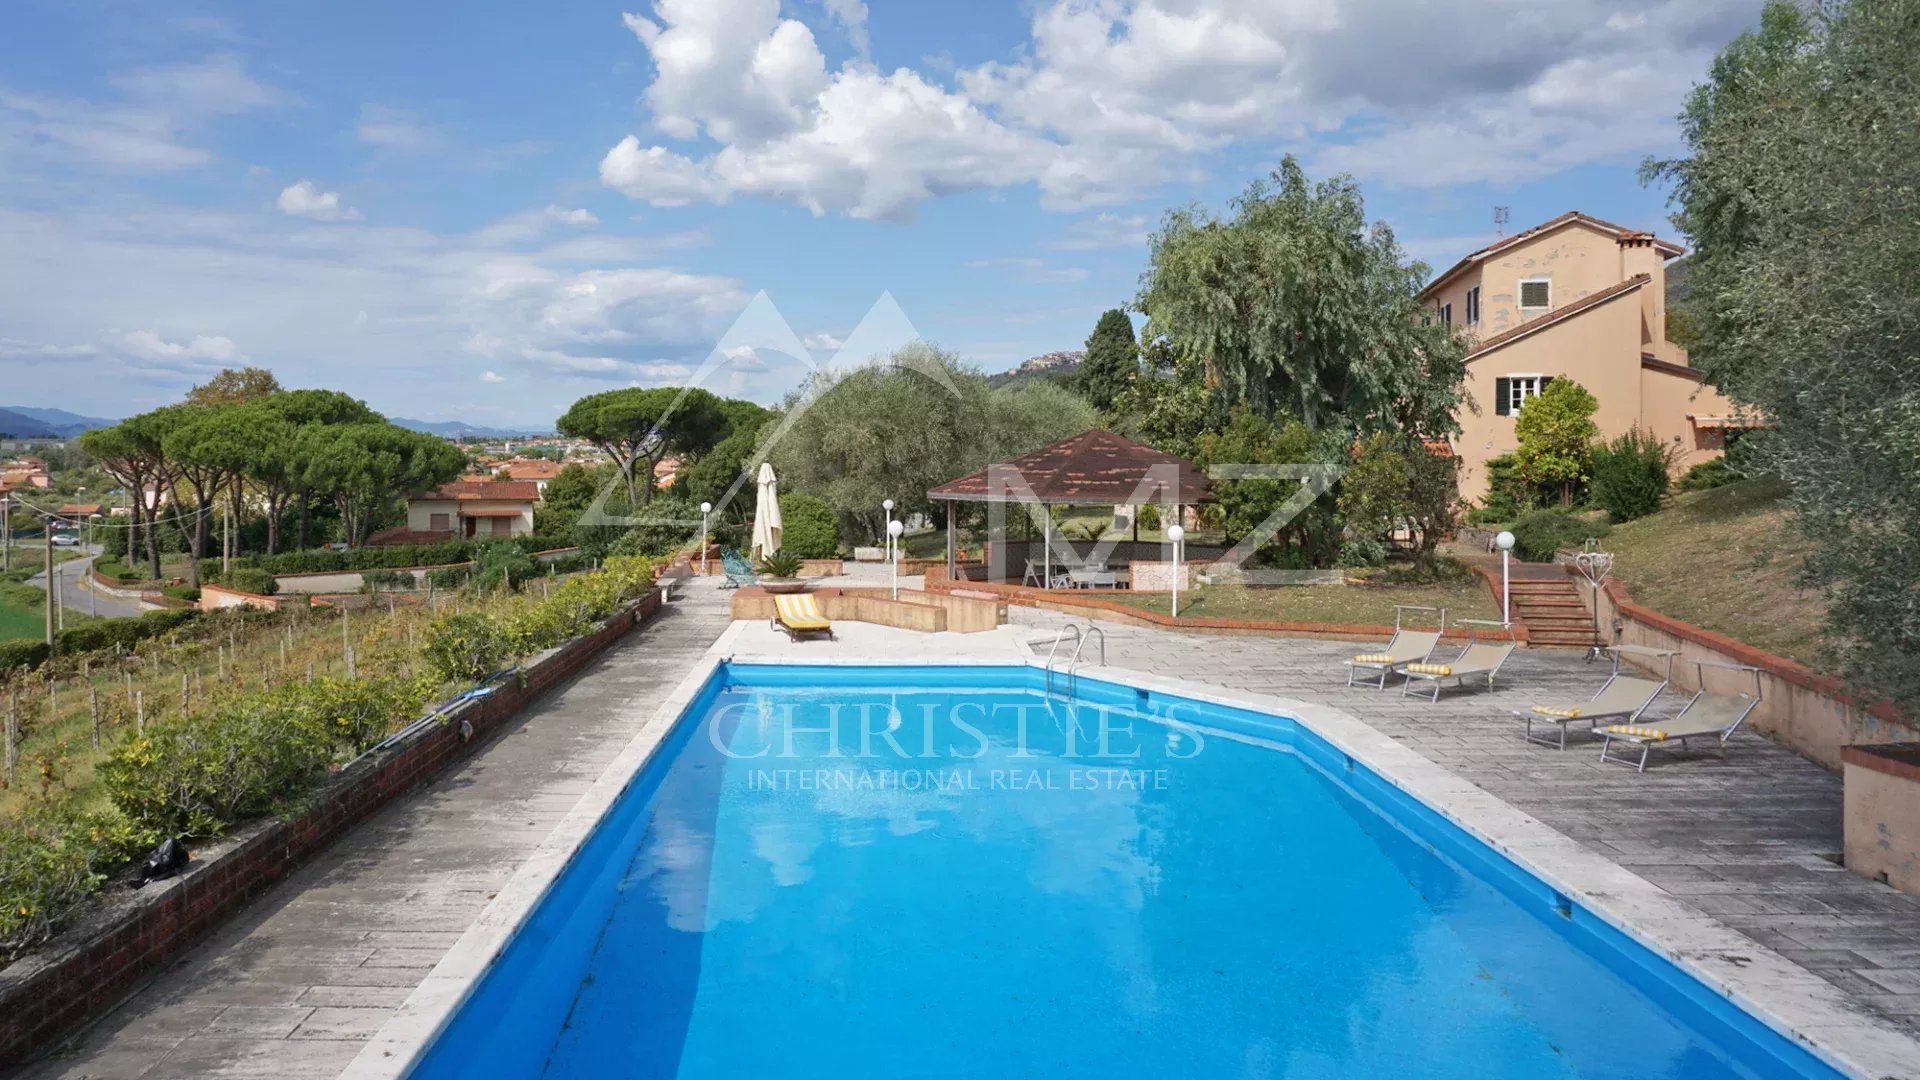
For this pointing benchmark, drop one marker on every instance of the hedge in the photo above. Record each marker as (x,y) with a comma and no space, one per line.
(384,557)
(97,636)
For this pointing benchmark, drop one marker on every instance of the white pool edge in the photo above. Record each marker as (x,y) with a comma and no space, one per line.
(1786,997)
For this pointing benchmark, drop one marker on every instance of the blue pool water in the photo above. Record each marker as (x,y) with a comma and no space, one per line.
(945,872)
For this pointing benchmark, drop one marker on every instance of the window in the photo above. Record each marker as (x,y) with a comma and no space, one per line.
(1512,391)
(1446,314)
(1536,294)
(439,523)
(1473,306)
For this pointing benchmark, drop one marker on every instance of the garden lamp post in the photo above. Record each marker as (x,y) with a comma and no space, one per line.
(887,505)
(705,509)
(1505,543)
(894,529)
(1176,534)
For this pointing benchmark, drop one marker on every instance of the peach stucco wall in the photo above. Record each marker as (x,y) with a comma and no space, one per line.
(1578,259)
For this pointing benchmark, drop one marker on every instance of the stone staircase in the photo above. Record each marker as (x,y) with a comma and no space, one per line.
(1549,606)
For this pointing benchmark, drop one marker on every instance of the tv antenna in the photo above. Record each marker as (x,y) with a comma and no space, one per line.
(1500,216)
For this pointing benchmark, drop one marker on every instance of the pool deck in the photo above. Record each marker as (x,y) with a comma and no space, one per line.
(298,984)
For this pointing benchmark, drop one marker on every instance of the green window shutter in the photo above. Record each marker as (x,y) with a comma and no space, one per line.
(1501,390)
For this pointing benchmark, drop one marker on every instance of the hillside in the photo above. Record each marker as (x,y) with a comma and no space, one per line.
(31,422)
(1725,560)
(1055,366)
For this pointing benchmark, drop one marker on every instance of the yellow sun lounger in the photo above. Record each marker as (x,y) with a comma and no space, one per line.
(1621,699)
(798,613)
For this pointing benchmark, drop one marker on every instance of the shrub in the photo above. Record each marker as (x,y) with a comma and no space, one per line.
(1555,430)
(1630,475)
(52,860)
(1362,551)
(1707,474)
(1539,534)
(782,564)
(450,578)
(387,580)
(22,654)
(196,775)
(659,528)
(249,579)
(464,648)
(503,564)
(188,593)
(807,527)
(351,715)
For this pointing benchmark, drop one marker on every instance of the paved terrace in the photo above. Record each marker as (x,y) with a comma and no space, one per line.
(295,985)
(1752,841)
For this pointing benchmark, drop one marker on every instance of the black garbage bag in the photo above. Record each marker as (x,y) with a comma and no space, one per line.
(166,860)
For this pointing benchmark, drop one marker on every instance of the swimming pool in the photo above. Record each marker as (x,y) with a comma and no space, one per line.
(845,871)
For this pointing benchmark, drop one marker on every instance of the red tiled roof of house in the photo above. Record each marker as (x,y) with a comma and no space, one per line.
(78,509)
(1620,232)
(517,490)
(528,468)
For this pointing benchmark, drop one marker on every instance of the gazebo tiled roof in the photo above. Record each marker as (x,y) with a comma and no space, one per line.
(1093,467)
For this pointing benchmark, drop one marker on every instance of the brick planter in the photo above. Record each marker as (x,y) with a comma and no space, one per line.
(85,971)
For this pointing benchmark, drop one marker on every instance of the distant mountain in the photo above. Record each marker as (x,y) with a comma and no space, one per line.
(1055,366)
(460,429)
(31,422)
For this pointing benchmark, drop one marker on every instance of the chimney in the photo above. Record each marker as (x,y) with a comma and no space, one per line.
(1638,255)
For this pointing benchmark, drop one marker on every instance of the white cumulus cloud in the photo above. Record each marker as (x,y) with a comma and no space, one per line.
(305,199)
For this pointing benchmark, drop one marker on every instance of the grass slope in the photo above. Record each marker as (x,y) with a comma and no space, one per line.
(1726,560)
(1357,604)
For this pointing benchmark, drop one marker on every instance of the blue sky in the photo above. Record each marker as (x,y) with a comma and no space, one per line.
(483,211)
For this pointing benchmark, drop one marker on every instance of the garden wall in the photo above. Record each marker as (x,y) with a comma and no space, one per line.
(83,973)
(215,597)
(925,612)
(1799,707)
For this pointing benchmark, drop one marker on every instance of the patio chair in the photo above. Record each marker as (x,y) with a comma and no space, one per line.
(797,614)
(1706,716)
(1479,658)
(737,570)
(1405,647)
(1622,698)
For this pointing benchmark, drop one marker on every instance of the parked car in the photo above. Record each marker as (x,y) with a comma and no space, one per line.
(61,539)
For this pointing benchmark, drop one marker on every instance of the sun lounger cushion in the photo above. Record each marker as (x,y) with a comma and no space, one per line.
(1373,658)
(1442,670)
(1563,712)
(1637,731)
(798,612)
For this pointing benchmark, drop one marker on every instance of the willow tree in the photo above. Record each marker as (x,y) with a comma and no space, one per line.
(1293,304)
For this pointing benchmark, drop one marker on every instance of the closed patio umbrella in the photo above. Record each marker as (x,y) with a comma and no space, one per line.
(766,514)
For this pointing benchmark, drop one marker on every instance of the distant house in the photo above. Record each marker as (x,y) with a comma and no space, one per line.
(473,508)
(538,470)
(1574,298)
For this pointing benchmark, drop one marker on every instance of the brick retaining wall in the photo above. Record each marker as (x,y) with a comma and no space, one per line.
(86,970)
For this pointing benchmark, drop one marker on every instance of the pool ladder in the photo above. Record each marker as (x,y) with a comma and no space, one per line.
(1080,642)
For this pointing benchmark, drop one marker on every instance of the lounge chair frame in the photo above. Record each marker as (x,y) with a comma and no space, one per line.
(1744,704)
(1385,669)
(1473,643)
(1593,720)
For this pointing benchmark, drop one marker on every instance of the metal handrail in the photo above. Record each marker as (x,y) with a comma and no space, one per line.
(1080,639)
(1074,661)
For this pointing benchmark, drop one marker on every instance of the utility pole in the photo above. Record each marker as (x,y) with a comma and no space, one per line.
(52,597)
(6,531)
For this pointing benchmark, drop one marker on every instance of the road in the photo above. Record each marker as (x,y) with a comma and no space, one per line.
(75,593)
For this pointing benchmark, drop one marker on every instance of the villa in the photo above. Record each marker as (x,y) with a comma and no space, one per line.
(1575,298)
(474,508)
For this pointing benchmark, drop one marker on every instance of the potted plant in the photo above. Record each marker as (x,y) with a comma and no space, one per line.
(780,573)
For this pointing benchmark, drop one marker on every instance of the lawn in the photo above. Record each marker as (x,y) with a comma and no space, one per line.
(22,611)
(1353,604)
(1725,560)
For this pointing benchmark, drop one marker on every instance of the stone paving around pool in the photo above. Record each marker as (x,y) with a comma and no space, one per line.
(303,979)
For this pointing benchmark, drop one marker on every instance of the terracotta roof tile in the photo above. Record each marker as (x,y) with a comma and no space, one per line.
(1093,467)
(520,490)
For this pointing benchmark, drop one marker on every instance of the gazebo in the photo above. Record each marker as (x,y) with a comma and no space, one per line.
(1095,467)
